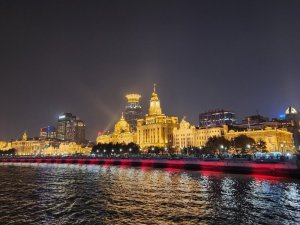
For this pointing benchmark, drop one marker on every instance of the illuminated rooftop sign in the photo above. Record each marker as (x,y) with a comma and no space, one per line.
(62,117)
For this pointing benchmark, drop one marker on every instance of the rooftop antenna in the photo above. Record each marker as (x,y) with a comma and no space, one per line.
(248,123)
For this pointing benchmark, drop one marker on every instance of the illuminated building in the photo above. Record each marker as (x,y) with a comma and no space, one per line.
(184,135)
(26,146)
(187,135)
(48,132)
(156,129)
(133,110)
(4,145)
(216,118)
(291,121)
(203,134)
(276,139)
(36,146)
(122,134)
(66,148)
(70,128)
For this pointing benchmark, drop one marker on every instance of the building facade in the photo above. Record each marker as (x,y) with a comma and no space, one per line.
(122,134)
(184,135)
(215,118)
(275,139)
(66,148)
(5,145)
(48,132)
(26,146)
(133,110)
(291,121)
(70,128)
(156,129)
(190,136)
(204,133)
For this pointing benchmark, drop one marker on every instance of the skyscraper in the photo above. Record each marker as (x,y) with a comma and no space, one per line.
(48,132)
(216,118)
(133,110)
(70,128)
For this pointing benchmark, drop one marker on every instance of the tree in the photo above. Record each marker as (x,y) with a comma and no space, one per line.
(261,145)
(155,150)
(243,144)
(216,145)
(9,152)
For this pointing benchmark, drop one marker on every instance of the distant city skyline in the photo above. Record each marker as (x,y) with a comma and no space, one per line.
(145,111)
(83,58)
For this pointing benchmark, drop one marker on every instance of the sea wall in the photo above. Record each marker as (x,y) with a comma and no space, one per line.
(283,169)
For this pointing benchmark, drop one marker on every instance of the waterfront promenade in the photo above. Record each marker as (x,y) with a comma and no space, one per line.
(270,168)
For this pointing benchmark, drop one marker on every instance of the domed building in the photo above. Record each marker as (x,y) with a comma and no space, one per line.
(291,110)
(122,126)
(292,113)
(121,134)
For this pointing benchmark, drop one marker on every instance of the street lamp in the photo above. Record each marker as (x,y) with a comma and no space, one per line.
(222,147)
(281,145)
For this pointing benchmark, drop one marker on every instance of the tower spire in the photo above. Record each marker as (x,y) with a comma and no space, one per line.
(24,137)
(154,103)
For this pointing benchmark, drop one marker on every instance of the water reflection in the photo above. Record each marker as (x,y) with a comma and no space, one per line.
(87,194)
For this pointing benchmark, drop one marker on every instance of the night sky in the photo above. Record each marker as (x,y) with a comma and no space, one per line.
(84,56)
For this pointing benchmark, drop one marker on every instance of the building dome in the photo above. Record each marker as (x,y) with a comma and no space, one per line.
(122,125)
(184,124)
(291,110)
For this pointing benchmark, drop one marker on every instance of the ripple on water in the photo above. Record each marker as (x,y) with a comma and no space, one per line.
(72,194)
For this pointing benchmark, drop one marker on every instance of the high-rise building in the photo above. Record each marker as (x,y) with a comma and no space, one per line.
(218,117)
(133,110)
(156,129)
(48,132)
(70,128)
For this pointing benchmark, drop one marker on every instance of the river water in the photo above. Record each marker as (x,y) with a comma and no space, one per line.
(85,194)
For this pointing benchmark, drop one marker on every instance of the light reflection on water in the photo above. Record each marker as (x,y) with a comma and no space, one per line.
(89,194)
